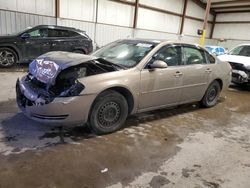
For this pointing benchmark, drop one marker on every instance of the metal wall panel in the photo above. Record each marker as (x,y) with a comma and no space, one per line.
(158,21)
(196,11)
(232,31)
(11,22)
(170,5)
(233,17)
(191,27)
(108,33)
(89,27)
(42,7)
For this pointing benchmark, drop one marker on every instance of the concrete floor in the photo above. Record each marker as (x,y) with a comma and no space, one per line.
(183,147)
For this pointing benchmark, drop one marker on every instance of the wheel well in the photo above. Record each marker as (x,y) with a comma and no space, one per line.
(220,82)
(82,50)
(127,95)
(18,58)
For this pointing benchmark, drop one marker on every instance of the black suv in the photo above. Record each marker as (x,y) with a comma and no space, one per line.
(29,44)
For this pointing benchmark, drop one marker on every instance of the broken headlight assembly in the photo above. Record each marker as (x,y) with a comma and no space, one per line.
(73,90)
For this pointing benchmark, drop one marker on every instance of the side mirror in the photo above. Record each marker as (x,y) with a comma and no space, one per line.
(25,35)
(158,64)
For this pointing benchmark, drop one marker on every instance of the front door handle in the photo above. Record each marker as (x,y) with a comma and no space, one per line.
(178,74)
(208,70)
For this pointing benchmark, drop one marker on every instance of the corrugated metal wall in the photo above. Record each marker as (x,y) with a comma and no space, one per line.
(114,19)
(11,21)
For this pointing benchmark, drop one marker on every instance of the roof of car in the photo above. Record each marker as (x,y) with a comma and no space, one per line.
(214,46)
(59,27)
(158,41)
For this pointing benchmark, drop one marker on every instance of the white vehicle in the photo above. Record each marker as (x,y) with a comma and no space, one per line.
(239,59)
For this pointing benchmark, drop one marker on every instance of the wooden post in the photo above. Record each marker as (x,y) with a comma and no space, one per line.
(136,13)
(183,16)
(202,41)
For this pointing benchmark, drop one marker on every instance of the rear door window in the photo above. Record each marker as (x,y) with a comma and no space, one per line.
(58,33)
(73,34)
(193,56)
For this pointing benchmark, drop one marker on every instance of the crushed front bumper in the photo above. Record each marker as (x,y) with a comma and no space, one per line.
(240,76)
(61,111)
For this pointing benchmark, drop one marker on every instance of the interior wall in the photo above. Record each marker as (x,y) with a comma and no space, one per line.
(114,20)
(40,7)
(233,33)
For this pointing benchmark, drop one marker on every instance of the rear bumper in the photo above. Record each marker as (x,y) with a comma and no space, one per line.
(61,111)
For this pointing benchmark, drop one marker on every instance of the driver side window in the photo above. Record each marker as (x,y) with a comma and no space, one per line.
(169,54)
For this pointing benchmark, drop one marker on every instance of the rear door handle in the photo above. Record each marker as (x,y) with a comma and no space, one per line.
(208,70)
(178,74)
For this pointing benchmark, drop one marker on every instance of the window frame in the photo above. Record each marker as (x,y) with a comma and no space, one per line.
(35,29)
(168,46)
(194,47)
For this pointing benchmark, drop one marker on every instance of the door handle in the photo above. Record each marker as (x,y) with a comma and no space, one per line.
(178,74)
(208,70)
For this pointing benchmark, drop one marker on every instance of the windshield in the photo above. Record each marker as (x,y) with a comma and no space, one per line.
(241,50)
(125,53)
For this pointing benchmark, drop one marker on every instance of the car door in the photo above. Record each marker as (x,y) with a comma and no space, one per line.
(36,44)
(195,74)
(161,87)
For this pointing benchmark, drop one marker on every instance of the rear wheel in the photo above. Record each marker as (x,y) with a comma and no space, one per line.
(108,113)
(212,95)
(8,57)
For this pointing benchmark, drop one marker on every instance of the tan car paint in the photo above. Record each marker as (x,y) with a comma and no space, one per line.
(151,89)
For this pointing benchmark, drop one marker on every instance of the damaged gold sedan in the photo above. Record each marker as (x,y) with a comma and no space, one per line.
(122,78)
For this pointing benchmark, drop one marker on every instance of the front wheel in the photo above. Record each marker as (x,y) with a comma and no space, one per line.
(108,113)
(212,95)
(8,57)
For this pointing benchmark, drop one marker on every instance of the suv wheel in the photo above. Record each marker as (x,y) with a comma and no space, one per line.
(7,57)
(212,95)
(108,113)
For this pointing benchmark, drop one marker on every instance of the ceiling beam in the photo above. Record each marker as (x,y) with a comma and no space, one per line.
(234,22)
(124,2)
(230,2)
(231,7)
(233,11)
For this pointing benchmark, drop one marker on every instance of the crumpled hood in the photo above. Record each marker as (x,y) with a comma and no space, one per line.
(47,66)
(236,59)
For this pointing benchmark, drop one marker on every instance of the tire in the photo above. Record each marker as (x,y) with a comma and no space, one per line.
(108,113)
(8,57)
(212,95)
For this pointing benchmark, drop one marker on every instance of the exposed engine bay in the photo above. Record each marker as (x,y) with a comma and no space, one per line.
(240,74)
(46,80)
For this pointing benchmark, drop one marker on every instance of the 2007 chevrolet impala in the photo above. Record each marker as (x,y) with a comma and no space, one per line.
(122,78)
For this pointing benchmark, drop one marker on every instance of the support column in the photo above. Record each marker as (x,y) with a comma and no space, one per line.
(183,16)
(202,41)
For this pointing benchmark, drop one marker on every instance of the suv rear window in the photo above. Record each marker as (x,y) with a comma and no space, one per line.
(57,33)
